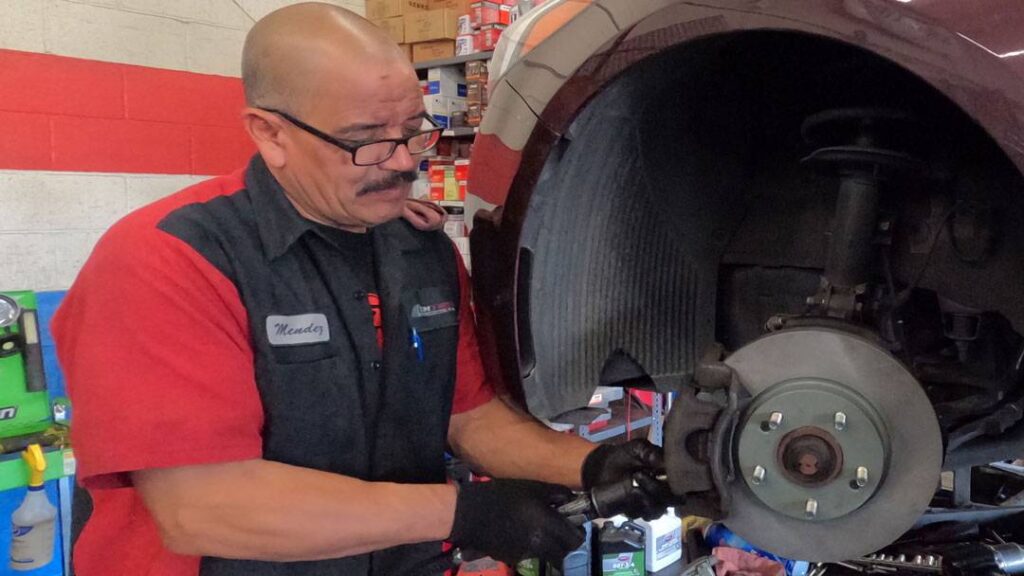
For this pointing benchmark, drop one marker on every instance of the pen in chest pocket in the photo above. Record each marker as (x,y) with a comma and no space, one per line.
(417,343)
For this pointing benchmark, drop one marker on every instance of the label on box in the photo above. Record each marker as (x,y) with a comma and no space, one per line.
(464,25)
(437,191)
(435,87)
(448,81)
(451,189)
(465,45)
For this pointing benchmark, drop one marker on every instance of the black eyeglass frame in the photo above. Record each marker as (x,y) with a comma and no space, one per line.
(352,147)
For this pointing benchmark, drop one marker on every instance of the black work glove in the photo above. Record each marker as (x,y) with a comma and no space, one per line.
(511,520)
(638,462)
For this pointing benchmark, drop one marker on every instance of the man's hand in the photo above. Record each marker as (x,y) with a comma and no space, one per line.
(510,520)
(637,461)
(423,215)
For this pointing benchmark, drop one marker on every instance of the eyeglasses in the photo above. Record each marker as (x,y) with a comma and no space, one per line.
(372,152)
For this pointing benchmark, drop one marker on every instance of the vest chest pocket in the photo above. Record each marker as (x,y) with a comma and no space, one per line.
(311,412)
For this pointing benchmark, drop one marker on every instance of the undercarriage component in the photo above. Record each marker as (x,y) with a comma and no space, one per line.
(864,147)
(977,559)
(921,563)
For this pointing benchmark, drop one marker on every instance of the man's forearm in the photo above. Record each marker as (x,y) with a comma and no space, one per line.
(263,510)
(505,443)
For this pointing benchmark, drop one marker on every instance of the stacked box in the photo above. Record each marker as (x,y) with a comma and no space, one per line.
(474,114)
(455,225)
(447,178)
(456,5)
(486,12)
(394,27)
(381,9)
(477,70)
(407,50)
(427,25)
(461,177)
(476,92)
(465,44)
(442,108)
(433,50)
(486,38)
(435,176)
(448,81)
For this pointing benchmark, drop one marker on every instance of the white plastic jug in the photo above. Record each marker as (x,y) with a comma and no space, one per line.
(663,540)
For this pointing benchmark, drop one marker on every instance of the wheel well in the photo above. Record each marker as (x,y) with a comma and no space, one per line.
(684,170)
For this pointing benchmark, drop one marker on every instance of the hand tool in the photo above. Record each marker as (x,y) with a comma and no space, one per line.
(602,501)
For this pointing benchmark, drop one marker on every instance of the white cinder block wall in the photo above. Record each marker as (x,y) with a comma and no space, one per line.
(50,220)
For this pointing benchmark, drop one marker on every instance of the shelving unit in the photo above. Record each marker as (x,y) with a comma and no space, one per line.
(452,61)
(616,427)
(461,132)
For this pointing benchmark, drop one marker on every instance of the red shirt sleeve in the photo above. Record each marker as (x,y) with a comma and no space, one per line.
(471,386)
(154,343)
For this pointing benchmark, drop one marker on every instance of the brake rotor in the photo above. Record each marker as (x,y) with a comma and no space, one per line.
(838,452)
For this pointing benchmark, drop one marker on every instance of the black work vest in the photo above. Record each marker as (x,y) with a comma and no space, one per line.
(340,404)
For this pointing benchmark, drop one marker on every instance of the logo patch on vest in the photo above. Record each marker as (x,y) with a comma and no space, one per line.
(430,310)
(298,329)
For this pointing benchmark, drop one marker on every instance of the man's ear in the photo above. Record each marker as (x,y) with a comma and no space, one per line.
(265,130)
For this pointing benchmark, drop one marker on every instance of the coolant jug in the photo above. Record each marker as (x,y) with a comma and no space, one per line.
(663,540)
(32,524)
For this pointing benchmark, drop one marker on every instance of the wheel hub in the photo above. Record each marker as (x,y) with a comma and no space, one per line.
(825,434)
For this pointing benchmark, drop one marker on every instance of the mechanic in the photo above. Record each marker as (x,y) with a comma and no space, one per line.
(267,367)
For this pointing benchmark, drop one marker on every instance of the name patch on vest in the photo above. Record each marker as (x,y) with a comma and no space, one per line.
(298,329)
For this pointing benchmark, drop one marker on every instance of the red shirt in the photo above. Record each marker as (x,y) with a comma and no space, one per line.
(154,343)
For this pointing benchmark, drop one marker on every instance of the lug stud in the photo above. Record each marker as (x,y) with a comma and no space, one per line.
(811,508)
(758,476)
(840,421)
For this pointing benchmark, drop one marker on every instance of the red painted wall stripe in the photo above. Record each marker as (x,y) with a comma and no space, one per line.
(71,114)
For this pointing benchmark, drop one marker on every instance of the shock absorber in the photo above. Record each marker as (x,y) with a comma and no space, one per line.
(863,147)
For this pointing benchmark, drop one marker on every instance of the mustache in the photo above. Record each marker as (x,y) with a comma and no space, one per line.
(391,181)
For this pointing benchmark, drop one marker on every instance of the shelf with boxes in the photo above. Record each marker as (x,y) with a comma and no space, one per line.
(460,132)
(442,29)
(454,95)
(450,43)
(453,61)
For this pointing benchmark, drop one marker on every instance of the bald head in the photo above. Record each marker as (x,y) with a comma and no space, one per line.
(290,52)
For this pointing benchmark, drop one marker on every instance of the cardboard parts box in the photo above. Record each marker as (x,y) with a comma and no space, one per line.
(395,28)
(430,25)
(381,9)
(433,50)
